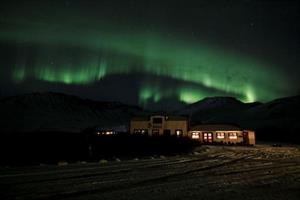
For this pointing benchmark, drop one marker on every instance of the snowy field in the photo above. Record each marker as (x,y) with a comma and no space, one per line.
(210,172)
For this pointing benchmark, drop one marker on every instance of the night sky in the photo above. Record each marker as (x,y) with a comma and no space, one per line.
(144,52)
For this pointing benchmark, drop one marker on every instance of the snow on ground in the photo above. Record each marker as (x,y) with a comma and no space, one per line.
(214,172)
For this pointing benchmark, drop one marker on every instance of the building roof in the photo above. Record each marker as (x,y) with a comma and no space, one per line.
(141,118)
(176,118)
(167,118)
(215,127)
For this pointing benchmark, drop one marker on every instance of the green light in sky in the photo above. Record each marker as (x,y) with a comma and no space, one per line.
(149,94)
(250,96)
(155,92)
(18,74)
(190,96)
(108,51)
(145,95)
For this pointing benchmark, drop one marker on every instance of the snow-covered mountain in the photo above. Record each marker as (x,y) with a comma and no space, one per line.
(61,112)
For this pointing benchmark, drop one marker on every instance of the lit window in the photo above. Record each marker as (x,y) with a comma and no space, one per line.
(220,135)
(207,136)
(137,131)
(195,135)
(144,131)
(155,132)
(179,132)
(233,136)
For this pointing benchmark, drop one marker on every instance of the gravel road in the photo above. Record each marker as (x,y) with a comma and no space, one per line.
(210,172)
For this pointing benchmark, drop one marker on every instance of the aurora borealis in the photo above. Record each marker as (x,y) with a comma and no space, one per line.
(85,44)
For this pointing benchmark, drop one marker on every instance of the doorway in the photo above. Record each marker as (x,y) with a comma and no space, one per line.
(207,137)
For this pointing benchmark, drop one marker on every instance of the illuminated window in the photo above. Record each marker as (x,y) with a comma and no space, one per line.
(144,131)
(232,136)
(155,132)
(108,132)
(136,131)
(220,135)
(179,132)
(195,135)
(208,136)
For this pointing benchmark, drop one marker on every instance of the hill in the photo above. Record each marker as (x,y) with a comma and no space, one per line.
(44,112)
(278,119)
(214,109)
(60,112)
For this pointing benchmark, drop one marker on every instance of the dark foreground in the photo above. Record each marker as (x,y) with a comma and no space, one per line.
(214,172)
(20,149)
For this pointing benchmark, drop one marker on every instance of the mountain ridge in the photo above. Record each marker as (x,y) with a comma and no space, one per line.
(53,111)
(61,112)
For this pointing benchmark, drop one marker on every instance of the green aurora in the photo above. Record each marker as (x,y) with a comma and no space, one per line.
(82,57)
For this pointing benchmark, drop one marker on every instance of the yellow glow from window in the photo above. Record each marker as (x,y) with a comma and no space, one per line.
(220,135)
(233,136)
(195,135)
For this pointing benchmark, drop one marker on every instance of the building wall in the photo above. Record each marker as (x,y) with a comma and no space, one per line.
(170,126)
(138,125)
(230,139)
(251,137)
(176,125)
(226,139)
(166,124)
